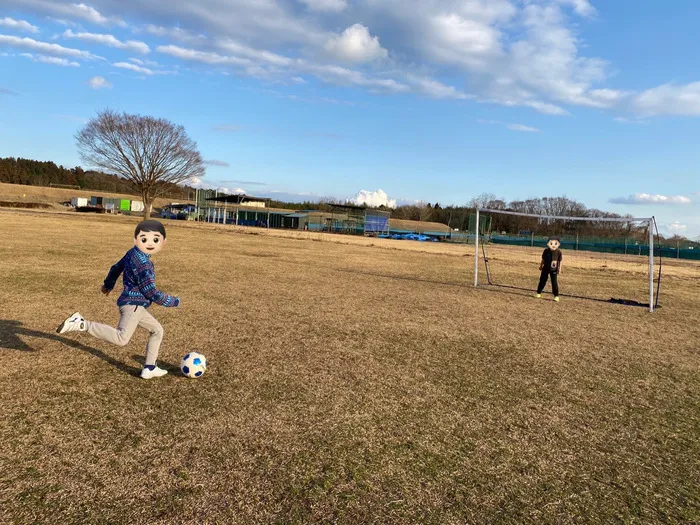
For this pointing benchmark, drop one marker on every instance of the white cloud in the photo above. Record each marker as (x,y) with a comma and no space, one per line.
(87,13)
(373,198)
(237,48)
(227,128)
(197,183)
(69,11)
(344,76)
(264,23)
(21,25)
(217,163)
(606,98)
(435,89)
(326,5)
(141,62)
(309,100)
(356,44)
(512,127)
(174,33)
(43,47)
(63,22)
(133,67)
(528,53)
(625,120)
(203,56)
(463,41)
(581,7)
(298,80)
(547,109)
(511,53)
(522,127)
(647,198)
(546,62)
(676,228)
(50,60)
(669,99)
(98,82)
(109,40)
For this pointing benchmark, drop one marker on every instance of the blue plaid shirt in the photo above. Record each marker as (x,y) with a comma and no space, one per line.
(139,281)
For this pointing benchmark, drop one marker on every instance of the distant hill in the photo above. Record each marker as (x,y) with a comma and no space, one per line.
(46,173)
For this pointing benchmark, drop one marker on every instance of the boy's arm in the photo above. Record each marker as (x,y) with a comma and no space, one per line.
(114,273)
(560,259)
(147,284)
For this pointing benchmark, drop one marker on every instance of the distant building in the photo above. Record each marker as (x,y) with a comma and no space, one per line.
(176,210)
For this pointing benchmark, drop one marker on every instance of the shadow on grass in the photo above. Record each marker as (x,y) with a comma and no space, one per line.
(171,368)
(503,287)
(500,288)
(10,332)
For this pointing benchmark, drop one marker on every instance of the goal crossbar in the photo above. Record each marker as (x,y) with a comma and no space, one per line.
(591,219)
(649,220)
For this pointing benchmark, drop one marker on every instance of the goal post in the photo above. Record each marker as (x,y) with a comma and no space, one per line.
(547,220)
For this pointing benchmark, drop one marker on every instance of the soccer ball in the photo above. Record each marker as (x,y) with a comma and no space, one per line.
(193,364)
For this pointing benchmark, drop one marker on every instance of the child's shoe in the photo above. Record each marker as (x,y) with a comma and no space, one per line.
(539,295)
(556,298)
(75,323)
(148,373)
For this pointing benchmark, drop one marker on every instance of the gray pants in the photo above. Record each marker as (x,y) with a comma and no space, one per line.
(131,317)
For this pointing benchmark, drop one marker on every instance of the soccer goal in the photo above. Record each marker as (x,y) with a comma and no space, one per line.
(608,259)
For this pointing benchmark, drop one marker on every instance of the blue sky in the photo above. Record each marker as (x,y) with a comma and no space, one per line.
(438,100)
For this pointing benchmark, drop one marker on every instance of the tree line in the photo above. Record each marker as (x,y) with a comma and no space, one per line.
(46,173)
(463,217)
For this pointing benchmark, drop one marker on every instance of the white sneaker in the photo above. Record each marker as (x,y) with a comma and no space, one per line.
(156,372)
(75,323)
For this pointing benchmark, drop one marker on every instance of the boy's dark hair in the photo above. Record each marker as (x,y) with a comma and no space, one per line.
(150,226)
(550,239)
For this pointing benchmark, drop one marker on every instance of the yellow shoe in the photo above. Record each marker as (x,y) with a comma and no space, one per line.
(539,295)
(556,298)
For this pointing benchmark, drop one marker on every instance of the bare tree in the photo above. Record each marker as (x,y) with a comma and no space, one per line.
(150,153)
(482,200)
(425,211)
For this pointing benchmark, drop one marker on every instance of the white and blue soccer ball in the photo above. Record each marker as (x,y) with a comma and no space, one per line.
(193,364)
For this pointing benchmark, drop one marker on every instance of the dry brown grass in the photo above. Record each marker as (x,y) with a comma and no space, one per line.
(55,196)
(351,382)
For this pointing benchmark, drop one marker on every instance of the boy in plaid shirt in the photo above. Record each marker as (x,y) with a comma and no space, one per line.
(139,293)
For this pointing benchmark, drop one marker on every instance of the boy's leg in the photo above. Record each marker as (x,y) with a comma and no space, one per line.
(555,285)
(543,280)
(155,329)
(128,321)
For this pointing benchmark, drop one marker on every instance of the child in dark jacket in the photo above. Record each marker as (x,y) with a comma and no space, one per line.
(139,293)
(550,267)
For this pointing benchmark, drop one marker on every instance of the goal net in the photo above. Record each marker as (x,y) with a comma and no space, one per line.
(610,259)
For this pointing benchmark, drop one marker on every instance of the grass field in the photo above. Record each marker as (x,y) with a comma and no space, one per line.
(357,381)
